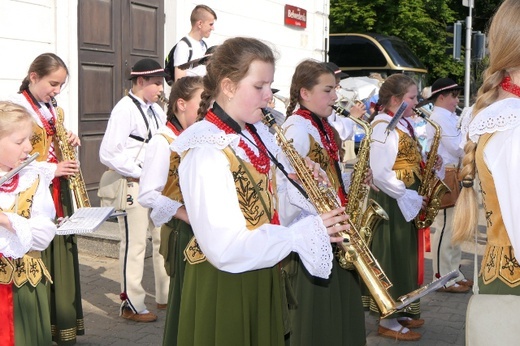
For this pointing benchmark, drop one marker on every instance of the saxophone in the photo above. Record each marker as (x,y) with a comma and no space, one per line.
(367,221)
(324,199)
(431,186)
(76,182)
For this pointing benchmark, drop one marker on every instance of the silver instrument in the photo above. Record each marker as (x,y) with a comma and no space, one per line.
(17,169)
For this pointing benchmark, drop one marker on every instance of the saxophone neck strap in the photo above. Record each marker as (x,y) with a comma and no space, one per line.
(138,138)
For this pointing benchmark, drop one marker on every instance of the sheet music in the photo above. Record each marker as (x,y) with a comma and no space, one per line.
(85,220)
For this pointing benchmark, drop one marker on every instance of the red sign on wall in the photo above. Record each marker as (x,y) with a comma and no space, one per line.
(295,16)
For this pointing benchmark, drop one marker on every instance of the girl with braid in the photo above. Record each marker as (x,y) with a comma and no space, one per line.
(26,229)
(328,311)
(232,292)
(159,190)
(492,152)
(45,79)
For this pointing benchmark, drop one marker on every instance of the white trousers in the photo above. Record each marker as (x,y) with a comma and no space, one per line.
(132,253)
(445,256)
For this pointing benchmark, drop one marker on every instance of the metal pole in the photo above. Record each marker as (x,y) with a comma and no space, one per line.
(467,57)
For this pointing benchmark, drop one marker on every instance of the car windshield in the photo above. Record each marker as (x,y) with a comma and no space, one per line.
(400,53)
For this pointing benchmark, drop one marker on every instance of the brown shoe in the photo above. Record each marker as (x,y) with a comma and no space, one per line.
(411,323)
(392,334)
(465,282)
(162,306)
(455,289)
(130,315)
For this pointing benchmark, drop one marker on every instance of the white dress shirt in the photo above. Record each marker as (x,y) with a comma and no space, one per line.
(119,151)
(153,179)
(451,137)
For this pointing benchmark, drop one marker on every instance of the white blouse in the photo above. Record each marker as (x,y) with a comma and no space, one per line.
(211,201)
(156,167)
(501,156)
(37,232)
(383,153)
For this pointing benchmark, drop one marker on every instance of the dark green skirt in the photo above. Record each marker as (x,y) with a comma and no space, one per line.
(61,259)
(220,308)
(328,312)
(32,324)
(175,236)
(395,246)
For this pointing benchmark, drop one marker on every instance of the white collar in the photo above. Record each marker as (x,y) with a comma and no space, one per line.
(499,116)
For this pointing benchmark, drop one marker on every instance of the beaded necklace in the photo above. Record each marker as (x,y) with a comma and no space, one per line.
(48,125)
(509,86)
(261,161)
(10,185)
(327,138)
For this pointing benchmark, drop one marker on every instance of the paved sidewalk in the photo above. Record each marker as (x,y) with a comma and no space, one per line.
(444,312)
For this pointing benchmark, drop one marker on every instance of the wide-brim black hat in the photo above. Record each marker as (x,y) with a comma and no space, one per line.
(147,68)
(443,84)
(337,71)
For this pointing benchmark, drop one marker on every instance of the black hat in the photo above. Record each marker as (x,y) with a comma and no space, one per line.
(337,71)
(442,85)
(147,68)
(274,91)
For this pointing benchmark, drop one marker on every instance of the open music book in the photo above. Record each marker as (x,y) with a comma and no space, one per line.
(85,220)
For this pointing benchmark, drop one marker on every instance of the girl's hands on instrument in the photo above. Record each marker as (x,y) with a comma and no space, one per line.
(336,221)
(424,202)
(438,163)
(318,173)
(369,180)
(73,139)
(67,168)
(358,110)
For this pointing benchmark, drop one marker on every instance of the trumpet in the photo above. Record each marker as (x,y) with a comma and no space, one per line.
(284,99)
(163,98)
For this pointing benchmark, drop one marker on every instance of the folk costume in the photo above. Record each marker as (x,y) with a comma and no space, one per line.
(24,304)
(232,292)
(327,311)
(395,160)
(446,256)
(132,123)
(160,191)
(61,257)
(496,130)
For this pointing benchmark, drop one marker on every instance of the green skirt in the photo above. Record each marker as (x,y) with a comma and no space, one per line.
(221,308)
(395,246)
(328,312)
(61,259)
(32,324)
(175,236)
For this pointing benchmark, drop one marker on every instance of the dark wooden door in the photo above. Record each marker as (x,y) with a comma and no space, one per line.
(112,36)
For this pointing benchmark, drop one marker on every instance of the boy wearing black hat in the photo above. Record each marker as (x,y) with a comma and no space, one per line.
(133,121)
(445,256)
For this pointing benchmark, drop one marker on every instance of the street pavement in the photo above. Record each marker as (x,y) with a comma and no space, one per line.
(444,313)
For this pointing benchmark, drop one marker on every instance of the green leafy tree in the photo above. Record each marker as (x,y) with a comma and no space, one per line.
(420,23)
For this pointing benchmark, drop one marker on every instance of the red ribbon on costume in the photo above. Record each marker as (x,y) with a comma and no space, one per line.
(420,256)
(6,314)
(56,196)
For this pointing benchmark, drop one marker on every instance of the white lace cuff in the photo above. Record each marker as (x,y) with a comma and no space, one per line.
(163,210)
(17,244)
(410,204)
(313,246)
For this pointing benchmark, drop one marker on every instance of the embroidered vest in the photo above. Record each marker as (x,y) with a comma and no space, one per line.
(41,142)
(172,188)
(250,202)
(499,261)
(319,154)
(30,267)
